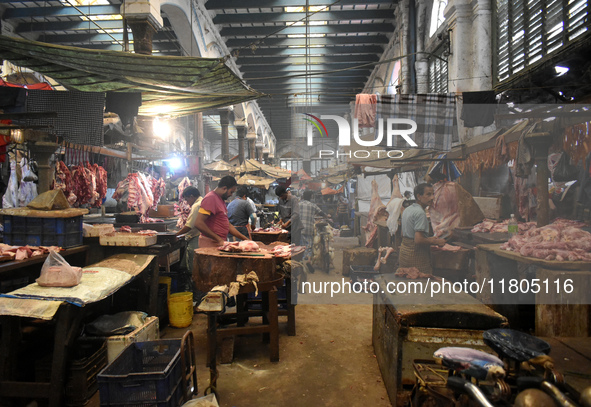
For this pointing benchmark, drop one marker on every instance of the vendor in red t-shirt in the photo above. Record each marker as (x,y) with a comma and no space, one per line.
(212,220)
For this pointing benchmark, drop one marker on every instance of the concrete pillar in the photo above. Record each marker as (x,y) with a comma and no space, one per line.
(422,72)
(241,129)
(42,152)
(143,32)
(144,19)
(224,122)
(405,46)
(307,166)
(482,73)
(461,61)
(198,141)
(251,137)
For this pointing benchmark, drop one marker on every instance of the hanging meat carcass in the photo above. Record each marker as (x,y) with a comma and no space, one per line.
(377,210)
(452,207)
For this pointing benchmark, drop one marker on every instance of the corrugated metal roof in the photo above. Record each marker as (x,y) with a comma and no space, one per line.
(169,84)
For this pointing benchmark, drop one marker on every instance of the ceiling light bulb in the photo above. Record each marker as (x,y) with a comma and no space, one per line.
(561,70)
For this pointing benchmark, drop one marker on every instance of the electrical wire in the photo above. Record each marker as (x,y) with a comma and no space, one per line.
(94,22)
(345,69)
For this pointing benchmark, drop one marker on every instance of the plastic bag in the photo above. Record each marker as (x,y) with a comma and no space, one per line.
(121,323)
(56,272)
(564,170)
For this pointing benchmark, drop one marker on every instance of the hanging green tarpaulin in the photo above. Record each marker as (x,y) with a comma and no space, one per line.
(169,85)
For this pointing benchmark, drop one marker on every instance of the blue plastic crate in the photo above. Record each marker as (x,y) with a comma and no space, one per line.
(63,232)
(144,374)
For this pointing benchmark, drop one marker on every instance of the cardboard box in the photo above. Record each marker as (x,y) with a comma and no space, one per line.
(150,331)
(171,258)
(127,239)
(163,211)
(97,230)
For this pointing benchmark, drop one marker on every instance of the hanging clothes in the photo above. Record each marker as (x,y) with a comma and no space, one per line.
(365,109)
(28,189)
(434,115)
(10,198)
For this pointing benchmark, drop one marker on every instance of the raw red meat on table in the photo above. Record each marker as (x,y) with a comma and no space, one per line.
(242,246)
(557,241)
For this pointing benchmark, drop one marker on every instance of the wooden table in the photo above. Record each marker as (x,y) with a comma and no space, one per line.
(66,321)
(465,235)
(551,316)
(19,273)
(167,253)
(212,267)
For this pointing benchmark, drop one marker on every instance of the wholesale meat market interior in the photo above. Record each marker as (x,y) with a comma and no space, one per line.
(305,94)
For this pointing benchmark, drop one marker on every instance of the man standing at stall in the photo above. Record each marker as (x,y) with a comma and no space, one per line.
(212,220)
(193,197)
(239,211)
(415,250)
(289,213)
(308,211)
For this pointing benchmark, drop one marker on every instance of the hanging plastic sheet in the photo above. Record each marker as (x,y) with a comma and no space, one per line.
(444,170)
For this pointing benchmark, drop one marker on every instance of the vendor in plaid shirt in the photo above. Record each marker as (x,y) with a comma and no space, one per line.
(308,211)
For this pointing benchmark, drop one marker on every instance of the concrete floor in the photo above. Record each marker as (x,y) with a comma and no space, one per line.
(330,361)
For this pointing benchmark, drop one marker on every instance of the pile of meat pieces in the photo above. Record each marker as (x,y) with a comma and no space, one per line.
(492,226)
(83,184)
(271,229)
(281,251)
(413,273)
(558,241)
(383,254)
(447,248)
(144,193)
(147,232)
(243,246)
(25,252)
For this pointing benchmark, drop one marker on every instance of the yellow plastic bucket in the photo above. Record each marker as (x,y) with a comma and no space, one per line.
(180,309)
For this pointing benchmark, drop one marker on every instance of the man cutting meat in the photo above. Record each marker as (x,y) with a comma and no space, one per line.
(415,250)
(212,220)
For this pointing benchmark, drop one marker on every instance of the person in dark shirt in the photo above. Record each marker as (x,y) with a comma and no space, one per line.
(289,213)
(239,211)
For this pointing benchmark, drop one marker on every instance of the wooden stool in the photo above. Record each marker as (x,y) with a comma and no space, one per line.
(269,326)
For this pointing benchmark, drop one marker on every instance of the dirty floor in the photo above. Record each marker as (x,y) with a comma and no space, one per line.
(330,361)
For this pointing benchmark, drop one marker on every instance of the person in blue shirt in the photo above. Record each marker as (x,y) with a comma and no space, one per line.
(240,211)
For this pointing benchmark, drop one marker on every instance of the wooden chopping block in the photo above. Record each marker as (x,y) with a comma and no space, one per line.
(358,256)
(212,267)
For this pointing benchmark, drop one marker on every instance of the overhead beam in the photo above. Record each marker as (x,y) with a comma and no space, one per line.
(90,38)
(302,80)
(46,26)
(367,49)
(257,32)
(241,4)
(167,48)
(28,12)
(302,68)
(335,15)
(285,42)
(344,74)
(247,59)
